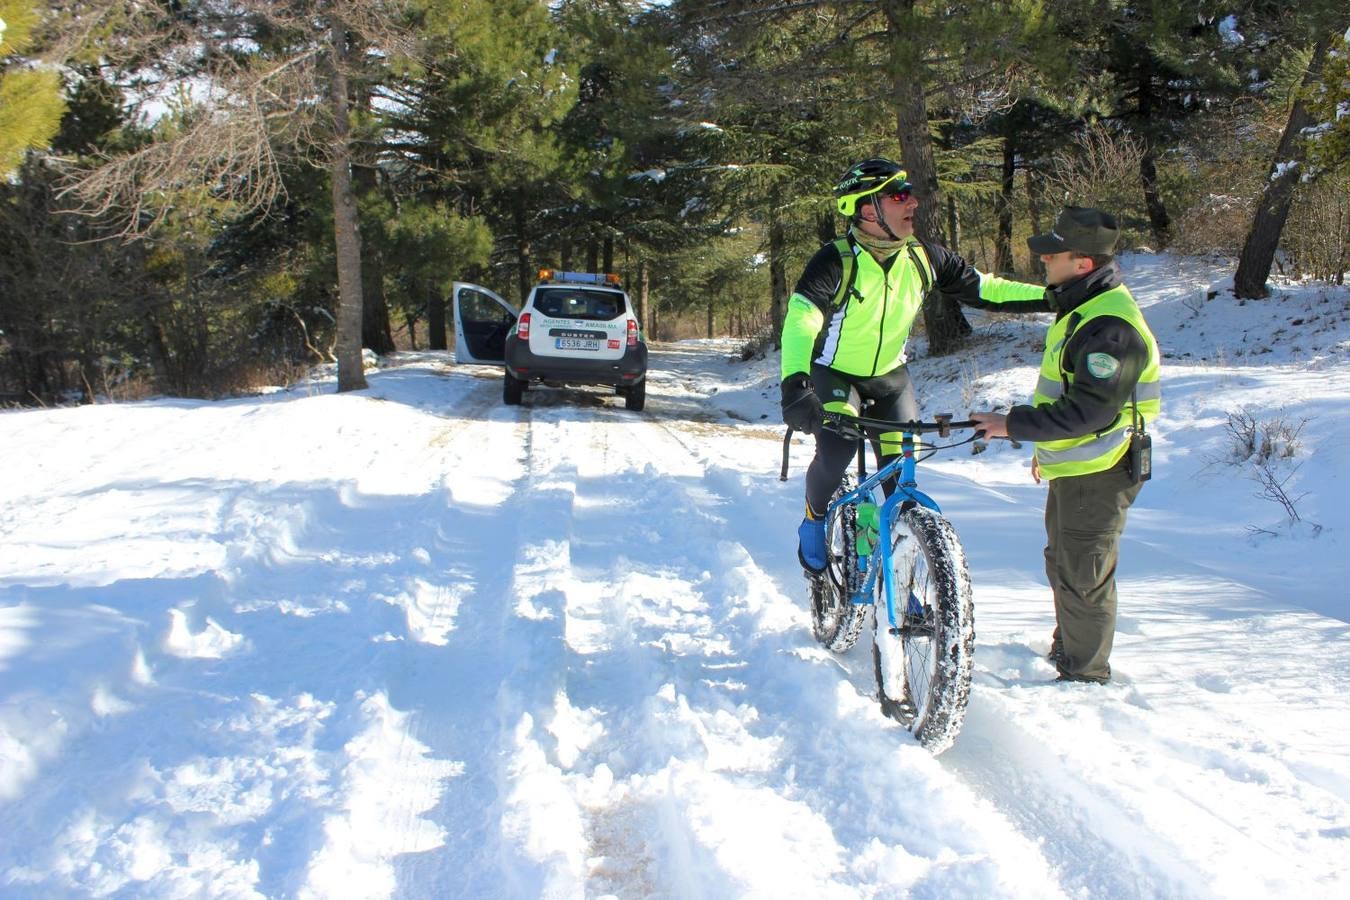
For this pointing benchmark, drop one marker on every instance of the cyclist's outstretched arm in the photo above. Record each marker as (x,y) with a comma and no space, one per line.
(961,281)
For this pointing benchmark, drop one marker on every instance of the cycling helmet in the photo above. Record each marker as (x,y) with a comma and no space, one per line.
(864,179)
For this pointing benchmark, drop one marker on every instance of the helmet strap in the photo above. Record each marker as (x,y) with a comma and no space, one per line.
(881,217)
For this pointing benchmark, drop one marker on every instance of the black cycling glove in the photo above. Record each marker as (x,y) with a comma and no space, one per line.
(801,407)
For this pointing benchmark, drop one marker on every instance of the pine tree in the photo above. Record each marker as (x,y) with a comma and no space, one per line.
(264,63)
(477,126)
(30,95)
(1258,251)
(878,67)
(1328,105)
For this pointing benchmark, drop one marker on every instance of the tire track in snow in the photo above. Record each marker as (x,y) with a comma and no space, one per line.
(588,483)
(408,756)
(514,810)
(542,817)
(506,634)
(687,672)
(664,703)
(1098,847)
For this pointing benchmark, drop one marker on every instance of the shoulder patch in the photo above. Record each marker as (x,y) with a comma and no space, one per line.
(1102,365)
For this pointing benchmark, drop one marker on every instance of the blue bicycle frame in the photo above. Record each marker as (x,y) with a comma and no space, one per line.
(906,490)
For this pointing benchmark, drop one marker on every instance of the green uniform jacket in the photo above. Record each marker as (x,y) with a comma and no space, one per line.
(864,335)
(1098,352)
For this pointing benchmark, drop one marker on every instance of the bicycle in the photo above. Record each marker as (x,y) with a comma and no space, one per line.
(924,618)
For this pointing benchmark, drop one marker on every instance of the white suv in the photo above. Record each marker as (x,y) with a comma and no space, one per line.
(576,328)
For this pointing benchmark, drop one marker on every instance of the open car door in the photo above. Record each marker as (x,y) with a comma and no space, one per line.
(482,321)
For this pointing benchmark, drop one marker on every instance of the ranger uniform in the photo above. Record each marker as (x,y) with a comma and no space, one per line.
(1097,392)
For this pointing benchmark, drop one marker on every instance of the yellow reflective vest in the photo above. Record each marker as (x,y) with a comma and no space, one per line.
(862,331)
(1099,450)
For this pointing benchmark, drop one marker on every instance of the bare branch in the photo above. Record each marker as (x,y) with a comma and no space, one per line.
(1101,169)
(236,111)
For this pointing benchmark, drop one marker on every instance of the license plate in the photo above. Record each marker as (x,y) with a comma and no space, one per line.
(577,344)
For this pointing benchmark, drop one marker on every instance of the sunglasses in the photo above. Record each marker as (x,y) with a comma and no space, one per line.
(899,196)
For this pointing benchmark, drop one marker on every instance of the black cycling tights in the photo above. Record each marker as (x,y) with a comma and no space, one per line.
(892,397)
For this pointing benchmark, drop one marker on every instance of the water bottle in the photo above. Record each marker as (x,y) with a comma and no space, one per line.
(868,527)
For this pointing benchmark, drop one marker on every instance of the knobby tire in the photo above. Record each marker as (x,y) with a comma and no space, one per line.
(512,389)
(836,621)
(923,673)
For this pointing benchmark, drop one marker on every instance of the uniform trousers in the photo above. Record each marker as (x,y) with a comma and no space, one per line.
(1084,518)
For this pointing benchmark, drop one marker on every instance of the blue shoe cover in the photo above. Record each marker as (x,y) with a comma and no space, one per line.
(811,544)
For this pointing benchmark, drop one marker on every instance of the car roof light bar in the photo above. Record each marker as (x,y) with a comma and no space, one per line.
(555,275)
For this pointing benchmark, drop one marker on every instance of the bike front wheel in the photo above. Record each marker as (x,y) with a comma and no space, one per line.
(923,664)
(836,621)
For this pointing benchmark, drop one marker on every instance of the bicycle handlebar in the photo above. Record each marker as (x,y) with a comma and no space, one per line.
(857,427)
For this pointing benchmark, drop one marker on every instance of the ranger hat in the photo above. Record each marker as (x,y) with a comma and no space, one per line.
(1081,229)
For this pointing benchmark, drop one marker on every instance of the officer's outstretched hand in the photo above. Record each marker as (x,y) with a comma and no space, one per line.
(990,424)
(801,407)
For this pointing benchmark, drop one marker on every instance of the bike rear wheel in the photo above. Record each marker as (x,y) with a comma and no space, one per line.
(836,621)
(923,666)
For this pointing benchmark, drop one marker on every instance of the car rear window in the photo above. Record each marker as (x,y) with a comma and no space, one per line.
(578,303)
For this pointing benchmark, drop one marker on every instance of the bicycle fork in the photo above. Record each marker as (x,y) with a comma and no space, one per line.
(880,559)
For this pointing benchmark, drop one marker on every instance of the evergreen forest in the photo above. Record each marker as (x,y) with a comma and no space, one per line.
(201,197)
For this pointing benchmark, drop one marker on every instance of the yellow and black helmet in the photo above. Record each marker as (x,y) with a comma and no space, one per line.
(866,178)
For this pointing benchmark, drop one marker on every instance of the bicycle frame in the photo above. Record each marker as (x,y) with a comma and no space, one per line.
(905,467)
(924,642)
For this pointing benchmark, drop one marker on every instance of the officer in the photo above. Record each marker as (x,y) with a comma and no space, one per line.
(849,317)
(1098,390)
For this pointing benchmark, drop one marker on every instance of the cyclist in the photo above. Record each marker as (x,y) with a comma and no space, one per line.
(848,320)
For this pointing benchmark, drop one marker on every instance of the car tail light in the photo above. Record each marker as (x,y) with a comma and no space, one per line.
(523,327)
(632,333)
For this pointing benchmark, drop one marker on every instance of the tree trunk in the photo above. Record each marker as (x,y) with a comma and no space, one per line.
(644,280)
(1159,222)
(376,329)
(1003,262)
(609,255)
(916,150)
(346,231)
(942,317)
(435,319)
(953,225)
(1343,257)
(592,256)
(709,327)
(156,346)
(1034,213)
(777,280)
(1258,251)
(525,274)
(410,321)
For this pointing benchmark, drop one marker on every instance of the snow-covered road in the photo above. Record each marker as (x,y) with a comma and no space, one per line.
(415,643)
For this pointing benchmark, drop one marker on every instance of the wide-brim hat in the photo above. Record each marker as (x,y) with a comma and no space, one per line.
(1081,229)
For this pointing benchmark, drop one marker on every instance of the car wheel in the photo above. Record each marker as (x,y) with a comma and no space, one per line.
(512,388)
(636,398)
